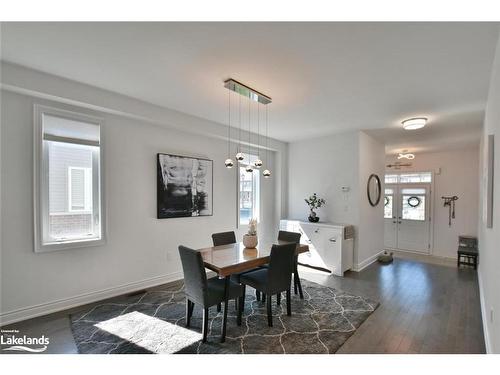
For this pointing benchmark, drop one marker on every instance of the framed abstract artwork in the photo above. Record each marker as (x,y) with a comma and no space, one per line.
(184,186)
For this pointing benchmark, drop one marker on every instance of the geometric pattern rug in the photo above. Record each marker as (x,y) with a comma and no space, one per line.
(153,322)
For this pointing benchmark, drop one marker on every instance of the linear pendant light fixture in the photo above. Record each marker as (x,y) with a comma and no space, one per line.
(249,168)
(259,98)
(229,162)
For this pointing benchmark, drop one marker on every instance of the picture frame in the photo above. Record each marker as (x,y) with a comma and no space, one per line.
(184,186)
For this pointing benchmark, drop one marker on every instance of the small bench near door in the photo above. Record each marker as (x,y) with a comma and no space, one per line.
(467,251)
(467,256)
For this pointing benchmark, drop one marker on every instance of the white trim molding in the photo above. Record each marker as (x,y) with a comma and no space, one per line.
(484,313)
(34,311)
(365,263)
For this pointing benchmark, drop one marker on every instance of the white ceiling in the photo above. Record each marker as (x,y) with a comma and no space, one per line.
(323,77)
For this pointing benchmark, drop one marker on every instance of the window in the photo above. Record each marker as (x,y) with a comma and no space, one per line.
(391,178)
(413,204)
(68,204)
(249,191)
(409,178)
(406,178)
(388,202)
(79,189)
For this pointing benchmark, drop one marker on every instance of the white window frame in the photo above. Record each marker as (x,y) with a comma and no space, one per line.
(41,183)
(256,197)
(87,198)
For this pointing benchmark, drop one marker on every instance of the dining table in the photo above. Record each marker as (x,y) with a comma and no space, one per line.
(226,260)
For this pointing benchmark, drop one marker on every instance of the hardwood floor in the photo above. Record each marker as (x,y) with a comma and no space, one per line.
(424,308)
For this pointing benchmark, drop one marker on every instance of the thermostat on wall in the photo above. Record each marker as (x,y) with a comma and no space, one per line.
(345,189)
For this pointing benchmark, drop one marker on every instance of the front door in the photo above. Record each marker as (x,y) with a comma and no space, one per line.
(390,217)
(409,226)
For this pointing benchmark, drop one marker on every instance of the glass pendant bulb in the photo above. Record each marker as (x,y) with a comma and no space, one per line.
(266,173)
(240,156)
(229,163)
(249,169)
(257,163)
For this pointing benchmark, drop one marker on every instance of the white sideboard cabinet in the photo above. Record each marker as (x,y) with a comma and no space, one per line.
(330,245)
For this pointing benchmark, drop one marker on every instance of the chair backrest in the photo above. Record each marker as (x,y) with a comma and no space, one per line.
(223,238)
(195,277)
(289,236)
(281,267)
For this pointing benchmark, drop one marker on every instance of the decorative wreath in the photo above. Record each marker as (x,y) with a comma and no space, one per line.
(414,201)
(386,201)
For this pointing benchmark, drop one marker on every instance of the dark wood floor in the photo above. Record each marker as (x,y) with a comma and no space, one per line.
(424,308)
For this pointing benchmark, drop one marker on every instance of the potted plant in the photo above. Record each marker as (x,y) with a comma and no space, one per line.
(314,202)
(250,239)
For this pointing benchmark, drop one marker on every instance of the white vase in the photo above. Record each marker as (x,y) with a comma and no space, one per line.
(250,241)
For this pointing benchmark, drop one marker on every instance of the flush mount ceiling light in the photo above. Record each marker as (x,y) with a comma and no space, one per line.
(252,96)
(414,123)
(406,155)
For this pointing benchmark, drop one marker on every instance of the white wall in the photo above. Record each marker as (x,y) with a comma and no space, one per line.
(140,250)
(489,238)
(323,166)
(458,176)
(371,219)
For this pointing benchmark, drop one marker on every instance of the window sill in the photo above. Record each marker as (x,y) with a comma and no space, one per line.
(66,245)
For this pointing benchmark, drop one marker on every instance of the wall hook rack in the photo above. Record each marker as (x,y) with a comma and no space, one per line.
(450,203)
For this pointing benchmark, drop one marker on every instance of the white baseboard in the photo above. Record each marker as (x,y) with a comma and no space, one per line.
(82,299)
(484,313)
(365,263)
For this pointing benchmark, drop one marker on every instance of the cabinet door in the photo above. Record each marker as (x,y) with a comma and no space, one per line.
(332,253)
(311,237)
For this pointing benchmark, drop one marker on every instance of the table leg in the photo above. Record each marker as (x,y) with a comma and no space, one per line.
(226,306)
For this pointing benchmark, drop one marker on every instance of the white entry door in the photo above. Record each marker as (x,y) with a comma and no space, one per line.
(390,217)
(409,226)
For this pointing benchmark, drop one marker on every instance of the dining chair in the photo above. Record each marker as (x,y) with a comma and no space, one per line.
(206,292)
(295,238)
(223,238)
(276,278)
(227,238)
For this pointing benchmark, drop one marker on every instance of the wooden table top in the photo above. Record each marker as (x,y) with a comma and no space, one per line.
(235,258)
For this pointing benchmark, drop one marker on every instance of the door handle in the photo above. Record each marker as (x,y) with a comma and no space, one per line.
(399,222)
(394,222)
(316,231)
(333,240)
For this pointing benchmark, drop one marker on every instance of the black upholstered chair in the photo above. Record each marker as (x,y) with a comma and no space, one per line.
(226,238)
(295,238)
(276,278)
(206,292)
(292,237)
(223,238)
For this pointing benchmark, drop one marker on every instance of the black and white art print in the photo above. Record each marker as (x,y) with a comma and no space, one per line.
(184,186)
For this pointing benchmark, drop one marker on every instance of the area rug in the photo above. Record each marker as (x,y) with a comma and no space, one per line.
(153,322)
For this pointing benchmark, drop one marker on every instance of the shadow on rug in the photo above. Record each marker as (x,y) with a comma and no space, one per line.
(153,322)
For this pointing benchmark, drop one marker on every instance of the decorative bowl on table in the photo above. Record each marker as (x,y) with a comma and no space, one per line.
(250,241)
